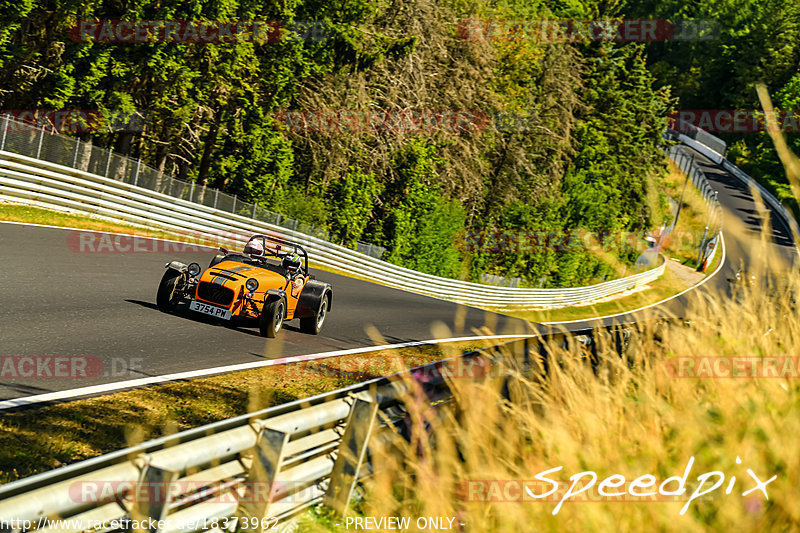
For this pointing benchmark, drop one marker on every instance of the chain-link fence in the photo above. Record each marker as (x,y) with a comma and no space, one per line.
(42,143)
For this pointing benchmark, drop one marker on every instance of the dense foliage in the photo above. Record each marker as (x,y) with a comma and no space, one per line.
(559,136)
(753,41)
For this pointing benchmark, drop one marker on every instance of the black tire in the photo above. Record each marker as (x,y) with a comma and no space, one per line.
(313,324)
(167,298)
(272,318)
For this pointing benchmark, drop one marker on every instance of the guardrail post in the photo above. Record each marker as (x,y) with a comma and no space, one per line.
(352,450)
(151,495)
(268,455)
(254,210)
(138,166)
(39,148)
(233,209)
(702,247)
(108,162)
(216,195)
(75,154)
(5,131)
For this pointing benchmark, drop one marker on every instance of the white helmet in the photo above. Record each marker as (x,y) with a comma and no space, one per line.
(254,246)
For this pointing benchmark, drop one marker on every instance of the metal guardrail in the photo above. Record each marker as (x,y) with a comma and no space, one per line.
(267,465)
(777,207)
(714,223)
(28,180)
(714,148)
(699,180)
(38,142)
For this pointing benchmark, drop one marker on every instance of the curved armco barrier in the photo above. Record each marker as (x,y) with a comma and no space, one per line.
(767,196)
(268,465)
(28,180)
(715,154)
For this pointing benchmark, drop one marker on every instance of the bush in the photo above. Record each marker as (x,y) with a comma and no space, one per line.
(352,197)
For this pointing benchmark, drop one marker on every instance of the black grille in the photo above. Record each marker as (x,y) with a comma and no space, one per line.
(214,293)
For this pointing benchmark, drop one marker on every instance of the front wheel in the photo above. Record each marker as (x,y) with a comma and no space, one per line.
(313,324)
(272,318)
(168,295)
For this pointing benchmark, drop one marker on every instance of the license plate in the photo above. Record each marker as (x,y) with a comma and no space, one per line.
(210,310)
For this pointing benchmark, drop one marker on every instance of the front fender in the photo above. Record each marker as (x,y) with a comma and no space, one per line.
(311,298)
(177,265)
(275,294)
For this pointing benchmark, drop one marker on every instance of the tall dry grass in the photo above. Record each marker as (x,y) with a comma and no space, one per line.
(627,415)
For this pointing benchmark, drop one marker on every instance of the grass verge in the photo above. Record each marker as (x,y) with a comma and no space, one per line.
(683,244)
(666,286)
(37,215)
(40,439)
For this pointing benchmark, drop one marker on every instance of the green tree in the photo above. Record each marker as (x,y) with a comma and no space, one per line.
(352,197)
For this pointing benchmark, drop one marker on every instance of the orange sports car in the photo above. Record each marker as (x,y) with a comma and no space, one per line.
(267,282)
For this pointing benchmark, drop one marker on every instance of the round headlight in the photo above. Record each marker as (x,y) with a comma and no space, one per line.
(193,269)
(251,284)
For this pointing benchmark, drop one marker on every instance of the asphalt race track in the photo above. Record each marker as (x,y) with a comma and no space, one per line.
(59,301)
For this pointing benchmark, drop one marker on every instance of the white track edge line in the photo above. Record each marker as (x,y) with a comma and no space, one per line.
(165,378)
(693,287)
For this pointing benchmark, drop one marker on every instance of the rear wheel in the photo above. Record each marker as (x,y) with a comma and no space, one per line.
(313,324)
(168,295)
(217,259)
(272,318)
